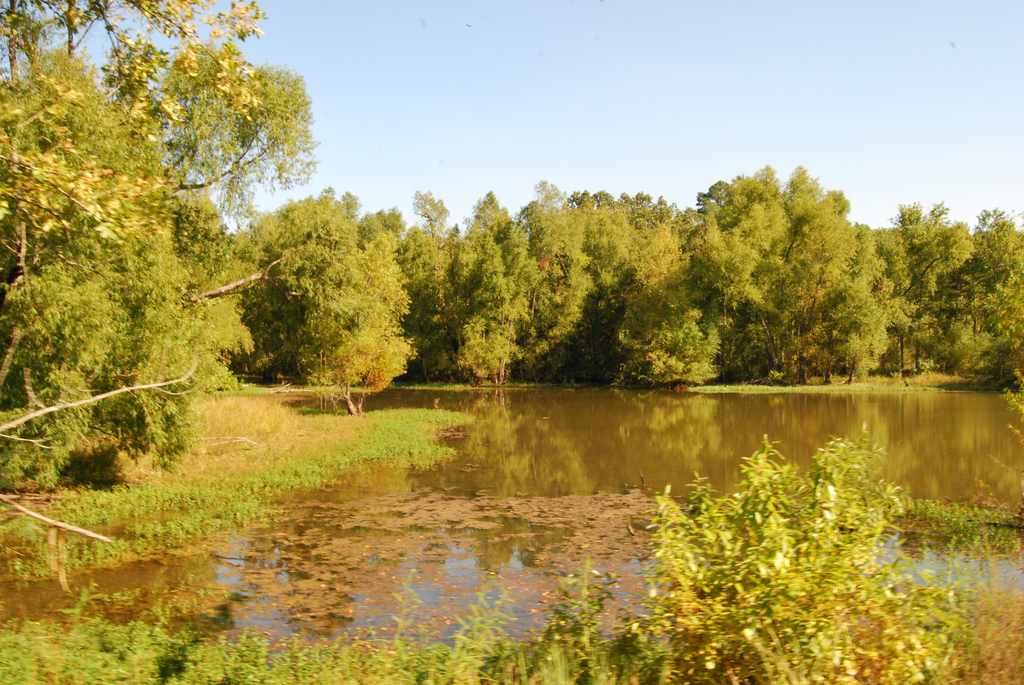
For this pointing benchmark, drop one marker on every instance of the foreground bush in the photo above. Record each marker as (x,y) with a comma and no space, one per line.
(783,581)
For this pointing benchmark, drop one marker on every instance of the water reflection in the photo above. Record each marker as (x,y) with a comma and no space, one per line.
(561,441)
(543,480)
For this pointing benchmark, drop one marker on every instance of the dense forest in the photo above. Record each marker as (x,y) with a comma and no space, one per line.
(132,256)
(763,280)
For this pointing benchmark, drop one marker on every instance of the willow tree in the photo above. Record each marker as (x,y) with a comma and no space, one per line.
(921,250)
(556,241)
(426,254)
(330,313)
(99,259)
(494,275)
(661,331)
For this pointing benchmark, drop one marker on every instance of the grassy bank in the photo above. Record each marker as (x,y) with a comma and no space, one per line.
(252,451)
(874,384)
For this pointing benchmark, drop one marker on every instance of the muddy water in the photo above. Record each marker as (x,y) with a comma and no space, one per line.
(559,442)
(543,481)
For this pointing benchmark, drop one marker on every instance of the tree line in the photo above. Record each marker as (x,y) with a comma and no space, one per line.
(124,294)
(764,280)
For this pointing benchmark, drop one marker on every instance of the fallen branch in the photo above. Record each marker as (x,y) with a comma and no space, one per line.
(229,288)
(25,418)
(11,501)
(226,440)
(38,443)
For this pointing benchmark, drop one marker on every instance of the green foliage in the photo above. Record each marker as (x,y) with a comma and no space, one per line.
(331,311)
(962,527)
(492,275)
(104,258)
(661,332)
(782,581)
(215,144)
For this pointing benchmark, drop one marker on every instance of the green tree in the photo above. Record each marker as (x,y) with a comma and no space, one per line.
(556,238)
(330,313)
(921,251)
(494,275)
(661,332)
(108,267)
(426,254)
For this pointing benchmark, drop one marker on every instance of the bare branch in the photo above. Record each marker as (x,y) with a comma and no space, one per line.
(236,285)
(25,418)
(11,501)
(38,443)
(29,390)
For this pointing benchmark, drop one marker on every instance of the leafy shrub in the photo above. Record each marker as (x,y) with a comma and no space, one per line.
(783,582)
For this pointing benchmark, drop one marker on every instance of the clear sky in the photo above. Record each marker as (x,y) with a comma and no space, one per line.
(891,102)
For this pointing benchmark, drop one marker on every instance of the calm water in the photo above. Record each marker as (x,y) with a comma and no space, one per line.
(542,481)
(561,441)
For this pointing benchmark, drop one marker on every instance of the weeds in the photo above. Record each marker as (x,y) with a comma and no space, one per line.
(963,527)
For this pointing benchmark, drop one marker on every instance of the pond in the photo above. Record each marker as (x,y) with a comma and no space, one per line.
(552,441)
(543,481)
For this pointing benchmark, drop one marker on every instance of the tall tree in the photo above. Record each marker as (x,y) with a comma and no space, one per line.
(921,250)
(494,275)
(330,313)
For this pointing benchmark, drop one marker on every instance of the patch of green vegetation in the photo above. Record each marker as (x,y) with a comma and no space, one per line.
(963,527)
(172,511)
(866,387)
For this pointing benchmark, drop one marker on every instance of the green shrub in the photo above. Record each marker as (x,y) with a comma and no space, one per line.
(783,581)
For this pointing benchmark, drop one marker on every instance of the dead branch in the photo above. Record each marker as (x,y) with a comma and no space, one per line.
(241,283)
(25,418)
(11,501)
(228,439)
(17,438)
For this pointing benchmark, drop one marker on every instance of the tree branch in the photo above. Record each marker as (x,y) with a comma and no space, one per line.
(5,367)
(10,500)
(241,283)
(25,418)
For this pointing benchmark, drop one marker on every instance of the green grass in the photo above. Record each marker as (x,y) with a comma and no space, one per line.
(961,527)
(228,483)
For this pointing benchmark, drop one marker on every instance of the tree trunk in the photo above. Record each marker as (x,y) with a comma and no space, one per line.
(69,24)
(901,355)
(5,368)
(354,404)
(12,42)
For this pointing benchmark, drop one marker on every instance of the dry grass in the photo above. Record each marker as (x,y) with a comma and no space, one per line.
(995,654)
(243,434)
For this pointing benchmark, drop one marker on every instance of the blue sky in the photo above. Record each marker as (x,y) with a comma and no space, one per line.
(890,102)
